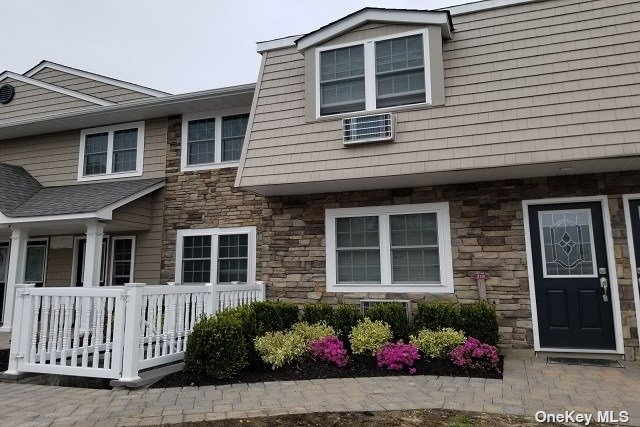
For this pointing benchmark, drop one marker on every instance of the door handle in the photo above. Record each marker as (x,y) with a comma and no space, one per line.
(604,284)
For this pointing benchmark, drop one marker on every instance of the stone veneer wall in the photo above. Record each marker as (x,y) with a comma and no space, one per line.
(486,228)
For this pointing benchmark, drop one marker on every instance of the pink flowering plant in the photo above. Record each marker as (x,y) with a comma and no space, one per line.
(474,354)
(329,349)
(398,357)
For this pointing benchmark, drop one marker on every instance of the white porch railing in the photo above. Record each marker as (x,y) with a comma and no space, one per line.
(110,332)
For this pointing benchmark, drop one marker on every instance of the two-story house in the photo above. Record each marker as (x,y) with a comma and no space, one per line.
(488,150)
(82,172)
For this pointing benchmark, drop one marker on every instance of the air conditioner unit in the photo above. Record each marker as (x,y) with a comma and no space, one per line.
(366,304)
(364,129)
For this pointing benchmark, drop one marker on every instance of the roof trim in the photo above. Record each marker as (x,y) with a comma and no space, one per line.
(93,76)
(277,43)
(133,105)
(478,6)
(368,14)
(105,213)
(48,86)
(461,9)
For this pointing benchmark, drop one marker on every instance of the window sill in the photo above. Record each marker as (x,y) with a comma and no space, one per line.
(387,288)
(212,166)
(409,107)
(108,176)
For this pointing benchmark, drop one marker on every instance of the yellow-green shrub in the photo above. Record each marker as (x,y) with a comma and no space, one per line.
(367,336)
(437,344)
(281,348)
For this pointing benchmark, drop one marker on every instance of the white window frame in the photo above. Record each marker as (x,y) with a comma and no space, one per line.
(217,143)
(112,260)
(370,73)
(383,212)
(215,233)
(110,130)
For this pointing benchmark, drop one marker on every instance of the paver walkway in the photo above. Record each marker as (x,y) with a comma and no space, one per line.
(529,385)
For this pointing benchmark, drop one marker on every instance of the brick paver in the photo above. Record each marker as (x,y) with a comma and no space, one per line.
(529,385)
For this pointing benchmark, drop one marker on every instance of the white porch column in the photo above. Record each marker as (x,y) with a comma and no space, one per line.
(15,273)
(93,254)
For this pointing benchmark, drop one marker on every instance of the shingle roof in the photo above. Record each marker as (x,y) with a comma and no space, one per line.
(16,187)
(19,196)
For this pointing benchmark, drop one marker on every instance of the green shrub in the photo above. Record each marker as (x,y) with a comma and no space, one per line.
(312,332)
(216,348)
(480,320)
(274,316)
(393,314)
(345,317)
(435,315)
(368,336)
(280,348)
(437,344)
(247,318)
(317,313)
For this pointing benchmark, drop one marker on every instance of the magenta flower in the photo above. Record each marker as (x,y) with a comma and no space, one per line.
(329,349)
(398,356)
(474,354)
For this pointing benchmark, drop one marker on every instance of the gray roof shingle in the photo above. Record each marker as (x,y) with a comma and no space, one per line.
(22,196)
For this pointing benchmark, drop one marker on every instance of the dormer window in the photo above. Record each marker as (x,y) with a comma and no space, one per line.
(373,74)
(111,152)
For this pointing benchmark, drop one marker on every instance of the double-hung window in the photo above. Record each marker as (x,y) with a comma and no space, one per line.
(111,152)
(216,255)
(122,259)
(210,141)
(404,248)
(373,74)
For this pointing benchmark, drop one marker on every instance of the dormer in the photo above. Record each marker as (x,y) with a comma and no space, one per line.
(375,60)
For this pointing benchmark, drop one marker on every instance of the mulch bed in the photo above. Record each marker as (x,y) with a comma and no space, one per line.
(359,366)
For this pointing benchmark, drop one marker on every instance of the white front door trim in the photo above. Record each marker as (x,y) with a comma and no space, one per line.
(611,262)
(632,252)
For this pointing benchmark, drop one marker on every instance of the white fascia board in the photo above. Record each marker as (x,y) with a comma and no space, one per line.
(96,77)
(479,6)
(44,85)
(392,16)
(277,43)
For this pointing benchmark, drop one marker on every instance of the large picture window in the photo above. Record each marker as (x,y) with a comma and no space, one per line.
(216,255)
(405,248)
(210,141)
(111,152)
(373,74)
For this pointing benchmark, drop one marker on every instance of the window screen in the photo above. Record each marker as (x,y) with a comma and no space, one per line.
(233,258)
(196,259)
(358,250)
(400,71)
(414,248)
(95,153)
(201,141)
(125,149)
(233,131)
(342,86)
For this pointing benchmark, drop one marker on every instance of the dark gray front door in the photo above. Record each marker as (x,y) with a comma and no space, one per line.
(634,212)
(571,277)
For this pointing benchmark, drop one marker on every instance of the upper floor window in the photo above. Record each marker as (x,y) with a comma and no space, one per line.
(111,152)
(210,141)
(374,74)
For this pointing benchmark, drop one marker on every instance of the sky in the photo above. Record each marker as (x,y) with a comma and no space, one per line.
(175,46)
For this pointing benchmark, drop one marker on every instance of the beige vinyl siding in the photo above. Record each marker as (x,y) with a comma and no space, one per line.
(555,80)
(33,101)
(53,159)
(59,264)
(87,86)
(135,215)
(149,244)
